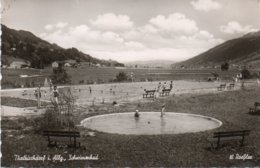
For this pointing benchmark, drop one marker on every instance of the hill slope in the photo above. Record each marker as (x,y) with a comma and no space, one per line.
(25,45)
(240,51)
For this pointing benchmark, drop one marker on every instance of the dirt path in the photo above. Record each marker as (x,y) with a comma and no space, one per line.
(8,111)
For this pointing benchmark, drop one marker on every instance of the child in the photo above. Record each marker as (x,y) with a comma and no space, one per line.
(164,86)
(171,85)
(163,109)
(159,89)
(55,94)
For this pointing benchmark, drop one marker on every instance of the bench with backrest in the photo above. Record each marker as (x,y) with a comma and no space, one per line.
(149,94)
(231,86)
(24,93)
(219,137)
(56,138)
(165,92)
(256,109)
(221,87)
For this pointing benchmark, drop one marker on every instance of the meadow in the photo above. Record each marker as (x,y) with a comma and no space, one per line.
(19,136)
(90,75)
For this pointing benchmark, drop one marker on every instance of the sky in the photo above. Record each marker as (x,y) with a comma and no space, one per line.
(133,30)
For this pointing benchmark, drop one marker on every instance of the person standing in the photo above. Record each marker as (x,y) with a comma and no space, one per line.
(164,86)
(38,96)
(163,110)
(171,85)
(90,90)
(51,85)
(159,88)
(55,94)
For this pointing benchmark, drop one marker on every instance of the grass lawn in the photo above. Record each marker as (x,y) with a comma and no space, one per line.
(189,149)
(107,74)
(18,102)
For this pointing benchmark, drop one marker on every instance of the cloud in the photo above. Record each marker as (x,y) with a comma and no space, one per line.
(134,45)
(142,55)
(234,27)
(61,25)
(58,25)
(83,37)
(110,21)
(173,37)
(48,27)
(205,5)
(111,36)
(176,23)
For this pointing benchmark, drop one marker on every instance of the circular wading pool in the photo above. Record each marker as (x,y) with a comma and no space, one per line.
(150,123)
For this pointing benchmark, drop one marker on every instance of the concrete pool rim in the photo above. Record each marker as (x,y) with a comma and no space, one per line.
(175,113)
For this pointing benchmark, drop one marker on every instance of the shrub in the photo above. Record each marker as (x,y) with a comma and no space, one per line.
(121,76)
(60,76)
(246,74)
(57,116)
(225,66)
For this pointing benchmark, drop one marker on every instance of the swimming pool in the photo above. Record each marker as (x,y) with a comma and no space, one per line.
(150,123)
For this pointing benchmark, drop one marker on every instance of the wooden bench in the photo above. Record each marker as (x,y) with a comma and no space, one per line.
(165,92)
(231,86)
(221,87)
(219,137)
(24,93)
(149,94)
(255,110)
(56,138)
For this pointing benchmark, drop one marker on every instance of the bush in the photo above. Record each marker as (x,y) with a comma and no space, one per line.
(9,84)
(121,76)
(60,76)
(246,74)
(225,66)
(255,75)
(58,116)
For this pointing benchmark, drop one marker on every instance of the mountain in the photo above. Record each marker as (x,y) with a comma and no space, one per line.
(240,51)
(151,63)
(20,44)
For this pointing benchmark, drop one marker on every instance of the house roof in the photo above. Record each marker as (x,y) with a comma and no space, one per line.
(71,61)
(19,63)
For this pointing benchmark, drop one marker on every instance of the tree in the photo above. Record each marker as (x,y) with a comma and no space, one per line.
(60,76)
(245,74)
(225,66)
(121,76)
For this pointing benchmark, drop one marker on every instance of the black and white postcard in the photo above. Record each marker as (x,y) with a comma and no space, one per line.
(130,83)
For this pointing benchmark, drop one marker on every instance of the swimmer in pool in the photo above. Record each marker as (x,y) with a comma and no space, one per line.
(137,114)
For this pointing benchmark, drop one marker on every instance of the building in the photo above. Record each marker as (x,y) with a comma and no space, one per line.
(19,64)
(70,61)
(85,64)
(67,65)
(55,64)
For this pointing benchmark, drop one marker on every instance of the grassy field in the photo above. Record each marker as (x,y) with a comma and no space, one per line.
(190,149)
(18,102)
(92,75)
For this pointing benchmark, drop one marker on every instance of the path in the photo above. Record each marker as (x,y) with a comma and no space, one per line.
(8,111)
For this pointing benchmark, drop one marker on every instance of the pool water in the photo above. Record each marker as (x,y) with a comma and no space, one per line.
(150,123)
